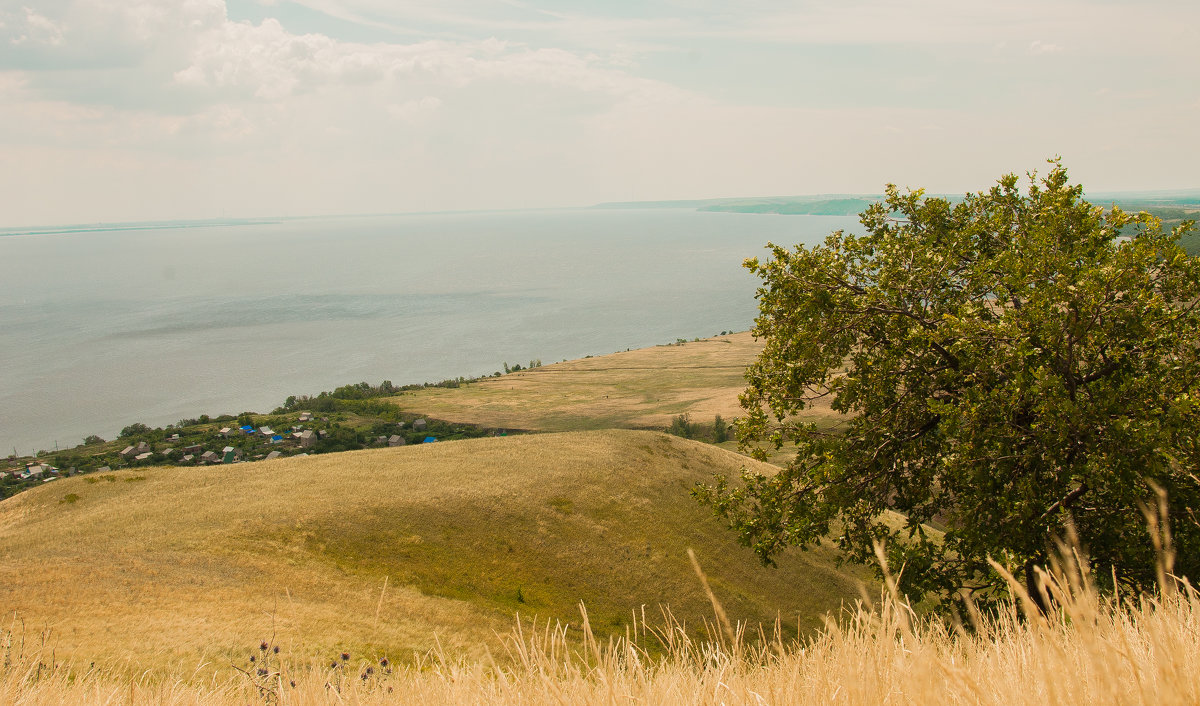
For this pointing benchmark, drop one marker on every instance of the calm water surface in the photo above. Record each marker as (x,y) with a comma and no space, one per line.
(101,329)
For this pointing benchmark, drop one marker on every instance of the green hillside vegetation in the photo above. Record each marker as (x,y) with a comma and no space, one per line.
(1173,215)
(164,567)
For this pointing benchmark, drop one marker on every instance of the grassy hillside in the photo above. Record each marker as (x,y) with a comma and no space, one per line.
(643,388)
(165,566)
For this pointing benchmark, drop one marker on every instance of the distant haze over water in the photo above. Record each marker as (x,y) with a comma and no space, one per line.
(103,328)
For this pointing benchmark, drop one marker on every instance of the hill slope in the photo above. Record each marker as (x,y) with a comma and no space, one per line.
(642,388)
(165,566)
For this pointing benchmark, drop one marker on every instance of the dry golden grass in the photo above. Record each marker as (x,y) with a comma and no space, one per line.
(638,389)
(1090,651)
(166,568)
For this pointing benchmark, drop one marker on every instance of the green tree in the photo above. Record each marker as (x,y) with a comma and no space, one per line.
(134,429)
(1006,366)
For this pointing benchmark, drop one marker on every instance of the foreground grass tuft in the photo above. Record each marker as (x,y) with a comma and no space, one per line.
(1089,649)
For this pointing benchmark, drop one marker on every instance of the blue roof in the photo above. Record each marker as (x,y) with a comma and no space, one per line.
(429,440)
(277,437)
(247,428)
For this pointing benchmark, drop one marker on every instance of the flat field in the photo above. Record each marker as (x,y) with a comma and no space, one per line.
(637,389)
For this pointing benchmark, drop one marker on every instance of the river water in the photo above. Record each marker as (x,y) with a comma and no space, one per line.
(103,327)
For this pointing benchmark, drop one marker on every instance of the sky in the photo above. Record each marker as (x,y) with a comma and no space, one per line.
(121,110)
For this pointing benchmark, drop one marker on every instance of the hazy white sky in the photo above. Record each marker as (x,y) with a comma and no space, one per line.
(150,109)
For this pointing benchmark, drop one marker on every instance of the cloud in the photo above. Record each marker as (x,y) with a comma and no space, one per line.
(169,108)
(415,109)
(36,29)
(1038,47)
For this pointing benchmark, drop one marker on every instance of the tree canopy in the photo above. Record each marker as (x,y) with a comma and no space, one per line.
(1006,365)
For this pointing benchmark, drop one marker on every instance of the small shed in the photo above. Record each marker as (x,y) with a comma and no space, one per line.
(229,454)
(395,440)
(429,440)
(419,425)
(209,457)
(273,455)
(308,439)
(226,431)
(143,447)
(267,431)
(128,452)
(143,457)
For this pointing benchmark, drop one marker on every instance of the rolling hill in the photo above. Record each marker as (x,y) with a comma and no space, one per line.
(386,552)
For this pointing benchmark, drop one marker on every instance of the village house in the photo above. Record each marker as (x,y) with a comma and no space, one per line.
(209,457)
(395,440)
(306,416)
(229,454)
(128,452)
(419,425)
(193,450)
(226,432)
(142,447)
(308,439)
(267,431)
